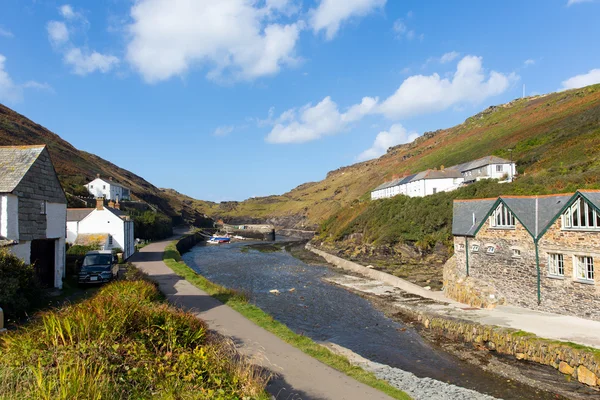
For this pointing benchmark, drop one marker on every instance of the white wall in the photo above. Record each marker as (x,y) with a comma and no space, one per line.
(72,227)
(507,169)
(441,185)
(22,250)
(9,216)
(104,221)
(59,262)
(56,218)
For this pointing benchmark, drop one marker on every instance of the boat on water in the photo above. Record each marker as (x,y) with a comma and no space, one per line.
(218,239)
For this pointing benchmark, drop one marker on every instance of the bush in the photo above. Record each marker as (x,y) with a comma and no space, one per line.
(151,225)
(20,290)
(81,250)
(123,343)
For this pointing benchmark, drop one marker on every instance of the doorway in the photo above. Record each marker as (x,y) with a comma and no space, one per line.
(43,259)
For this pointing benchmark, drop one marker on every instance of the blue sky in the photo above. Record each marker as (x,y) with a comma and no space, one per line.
(228,99)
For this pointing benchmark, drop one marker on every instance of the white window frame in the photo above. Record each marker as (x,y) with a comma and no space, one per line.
(516,253)
(581,216)
(460,247)
(502,218)
(556,265)
(490,249)
(583,268)
(499,168)
(474,248)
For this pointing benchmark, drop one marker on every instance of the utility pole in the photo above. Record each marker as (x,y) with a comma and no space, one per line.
(523,91)
(512,172)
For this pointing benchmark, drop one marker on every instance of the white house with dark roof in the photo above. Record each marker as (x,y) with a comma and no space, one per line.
(108,189)
(433,181)
(107,227)
(490,167)
(538,252)
(33,209)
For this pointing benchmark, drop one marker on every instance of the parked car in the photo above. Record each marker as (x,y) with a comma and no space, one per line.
(98,267)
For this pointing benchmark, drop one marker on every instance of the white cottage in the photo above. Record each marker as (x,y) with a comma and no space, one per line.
(108,189)
(433,181)
(33,209)
(108,227)
(490,167)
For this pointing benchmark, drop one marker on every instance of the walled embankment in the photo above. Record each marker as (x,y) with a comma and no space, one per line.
(580,362)
(187,242)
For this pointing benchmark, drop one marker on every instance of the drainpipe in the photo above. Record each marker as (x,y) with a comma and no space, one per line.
(467,253)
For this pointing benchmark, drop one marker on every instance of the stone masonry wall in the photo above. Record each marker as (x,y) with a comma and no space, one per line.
(39,183)
(514,277)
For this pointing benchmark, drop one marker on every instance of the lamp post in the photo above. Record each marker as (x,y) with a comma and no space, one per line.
(512,172)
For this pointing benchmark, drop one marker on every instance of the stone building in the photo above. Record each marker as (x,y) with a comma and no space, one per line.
(33,211)
(537,252)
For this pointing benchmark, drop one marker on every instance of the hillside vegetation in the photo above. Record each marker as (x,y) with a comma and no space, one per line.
(552,136)
(76,168)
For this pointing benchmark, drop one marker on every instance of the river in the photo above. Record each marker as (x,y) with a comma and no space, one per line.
(328,313)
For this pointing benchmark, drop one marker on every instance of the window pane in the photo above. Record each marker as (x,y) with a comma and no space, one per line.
(575,214)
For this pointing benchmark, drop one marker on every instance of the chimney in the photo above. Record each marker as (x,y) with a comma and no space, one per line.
(97,175)
(117,205)
(110,178)
(99,203)
(111,204)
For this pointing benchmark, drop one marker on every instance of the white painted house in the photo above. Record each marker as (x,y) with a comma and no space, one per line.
(433,181)
(33,211)
(108,189)
(490,167)
(108,227)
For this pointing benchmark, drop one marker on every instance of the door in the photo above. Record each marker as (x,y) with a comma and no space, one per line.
(43,258)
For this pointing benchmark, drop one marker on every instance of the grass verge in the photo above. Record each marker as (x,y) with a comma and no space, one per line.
(125,342)
(239,302)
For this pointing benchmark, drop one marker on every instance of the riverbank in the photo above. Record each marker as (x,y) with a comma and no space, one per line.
(295,374)
(488,330)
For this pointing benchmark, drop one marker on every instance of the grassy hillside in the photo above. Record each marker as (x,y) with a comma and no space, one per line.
(552,136)
(75,167)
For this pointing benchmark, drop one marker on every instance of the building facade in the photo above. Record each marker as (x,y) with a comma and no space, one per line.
(108,189)
(107,227)
(490,167)
(33,209)
(540,252)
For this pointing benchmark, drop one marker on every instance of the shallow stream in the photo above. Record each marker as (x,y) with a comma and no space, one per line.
(328,313)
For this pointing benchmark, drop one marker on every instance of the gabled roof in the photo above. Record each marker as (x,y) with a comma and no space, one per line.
(78,214)
(468,215)
(15,161)
(437,174)
(480,162)
(546,208)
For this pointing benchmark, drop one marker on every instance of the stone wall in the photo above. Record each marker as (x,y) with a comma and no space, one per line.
(187,242)
(513,278)
(39,184)
(580,362)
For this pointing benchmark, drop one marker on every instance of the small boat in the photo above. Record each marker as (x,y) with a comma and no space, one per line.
(218,239)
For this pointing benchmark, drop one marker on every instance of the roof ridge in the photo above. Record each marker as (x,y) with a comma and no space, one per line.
(465,200)
(25,146)
(539,196)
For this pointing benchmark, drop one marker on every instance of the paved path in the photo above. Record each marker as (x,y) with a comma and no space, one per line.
(299,376)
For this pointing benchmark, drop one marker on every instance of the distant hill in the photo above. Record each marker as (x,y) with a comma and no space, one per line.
(555,137)
(76,167)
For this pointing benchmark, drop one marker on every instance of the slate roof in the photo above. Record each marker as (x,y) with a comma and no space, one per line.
(15,161)
(4,242)
(78,214)
(524,208)
(388,184)
(480,162)
(465,211)
(593,196)
(437,174)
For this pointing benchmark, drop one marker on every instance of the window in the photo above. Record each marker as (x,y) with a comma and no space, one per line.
(460,247)
(91,186)
(499,168)
(502,217)
(581,215)
(556,265)
(103,186)
(491,249)
(475,248)
(110,240)
(584,268)
(516,253)
(434,190)
(43,207)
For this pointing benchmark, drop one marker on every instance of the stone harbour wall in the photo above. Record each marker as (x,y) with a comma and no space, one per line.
(580,362)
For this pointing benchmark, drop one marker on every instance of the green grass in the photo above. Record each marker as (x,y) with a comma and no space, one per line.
(123,343)
(239,302)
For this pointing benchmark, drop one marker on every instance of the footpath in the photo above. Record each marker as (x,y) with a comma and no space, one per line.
(545,325)
(296,374)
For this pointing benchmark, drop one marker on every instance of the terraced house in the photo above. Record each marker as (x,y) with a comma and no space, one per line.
(538,252)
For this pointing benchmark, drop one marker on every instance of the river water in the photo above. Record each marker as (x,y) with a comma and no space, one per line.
(328,313)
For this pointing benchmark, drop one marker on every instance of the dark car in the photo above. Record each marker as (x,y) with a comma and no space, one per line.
(99,267)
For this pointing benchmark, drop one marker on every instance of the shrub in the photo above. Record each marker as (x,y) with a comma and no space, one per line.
(20,289)
(81,250)
(123,343)
(151,225)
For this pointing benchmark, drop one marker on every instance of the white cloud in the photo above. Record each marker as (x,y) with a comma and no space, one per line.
(57,32)
(169,37)
(9,91)
(313,122)
(38,86)
(330,14)
(402,30)
(67,11)
(84,63)
(571,2)
(448,57)
(529,62)
(6,33)
(396,135)
(577,81)
(421,94)
(223,130)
